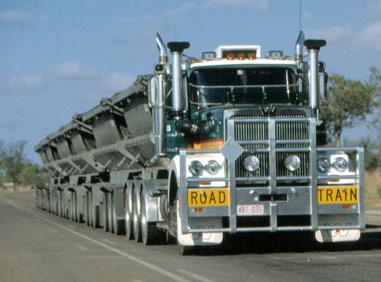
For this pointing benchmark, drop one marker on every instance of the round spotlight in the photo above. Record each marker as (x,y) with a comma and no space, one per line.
(292,162)
(251,163)
(323,164)
(340,164)
(212,167)
(196,168)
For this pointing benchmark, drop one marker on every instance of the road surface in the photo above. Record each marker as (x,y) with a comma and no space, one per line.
(38,246)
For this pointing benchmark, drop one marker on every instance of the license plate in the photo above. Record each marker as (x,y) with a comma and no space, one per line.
(208,197)
(250,210)
(337,195)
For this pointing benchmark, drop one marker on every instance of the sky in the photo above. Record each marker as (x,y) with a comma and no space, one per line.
(58,58)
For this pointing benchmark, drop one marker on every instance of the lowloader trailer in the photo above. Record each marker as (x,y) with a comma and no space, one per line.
(226,143)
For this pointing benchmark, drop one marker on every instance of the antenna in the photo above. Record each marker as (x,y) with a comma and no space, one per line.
(300,14)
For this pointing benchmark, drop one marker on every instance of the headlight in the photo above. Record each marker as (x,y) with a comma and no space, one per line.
(251,163)
(292,162)
(212,167)
(340,164)
(196,168)
(323,164)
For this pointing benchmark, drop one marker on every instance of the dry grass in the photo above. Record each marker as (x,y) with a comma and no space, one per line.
(373,189)
(20,188)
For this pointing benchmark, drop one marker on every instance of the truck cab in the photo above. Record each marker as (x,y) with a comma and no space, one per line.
(248,149)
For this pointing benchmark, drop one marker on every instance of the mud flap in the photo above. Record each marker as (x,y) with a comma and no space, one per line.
(196,239)
(337,235)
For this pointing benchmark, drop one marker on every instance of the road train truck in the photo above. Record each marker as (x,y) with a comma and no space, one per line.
(228,142)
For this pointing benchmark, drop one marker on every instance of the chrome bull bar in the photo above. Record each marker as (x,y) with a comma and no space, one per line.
(230,180)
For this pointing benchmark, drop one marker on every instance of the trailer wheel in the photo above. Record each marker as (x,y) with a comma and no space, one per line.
(128,217)
(151,235)
(184,250)
(119,227)
(105,211)
(136,219)
(73,207)
(96,220)
(110,214)
(81,210)
(87,209)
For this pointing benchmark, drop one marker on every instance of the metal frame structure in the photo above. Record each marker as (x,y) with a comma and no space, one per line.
(271,207)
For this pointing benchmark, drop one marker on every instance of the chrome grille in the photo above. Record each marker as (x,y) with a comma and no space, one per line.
(292,137)
(244,131)
(292,130)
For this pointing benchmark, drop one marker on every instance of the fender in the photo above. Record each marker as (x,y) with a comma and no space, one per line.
(191,239)
(174,169)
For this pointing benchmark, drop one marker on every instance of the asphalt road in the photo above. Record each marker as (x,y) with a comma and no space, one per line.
(38,246)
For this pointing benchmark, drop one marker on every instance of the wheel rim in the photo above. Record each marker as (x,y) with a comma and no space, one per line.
(114,220)
(110,213)
(136,221)
(144,228)
(104,212)
(143,225)
(128,219)
(128,225)
(136,225)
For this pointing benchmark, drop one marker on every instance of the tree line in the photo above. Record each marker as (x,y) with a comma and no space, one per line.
(15,169)
(350,101)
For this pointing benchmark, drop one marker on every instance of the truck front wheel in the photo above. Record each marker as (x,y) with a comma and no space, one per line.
(173,209)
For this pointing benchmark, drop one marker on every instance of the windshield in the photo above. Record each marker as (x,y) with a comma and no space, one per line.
(259,85)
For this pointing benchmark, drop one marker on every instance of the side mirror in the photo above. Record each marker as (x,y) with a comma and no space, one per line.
(323,84)
(323,88)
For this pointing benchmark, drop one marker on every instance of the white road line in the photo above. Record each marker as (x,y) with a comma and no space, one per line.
(194,276)
(82,248)
(109,242)
(368,255)
(153,267)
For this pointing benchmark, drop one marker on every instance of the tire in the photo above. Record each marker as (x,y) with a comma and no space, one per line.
(136,219)
(119,225)
(110,212)
(128,217)
(105,211)
(55,203)
(62,204)
(87,209)
(96,220)
(73,212)
(151,235)
(184,250)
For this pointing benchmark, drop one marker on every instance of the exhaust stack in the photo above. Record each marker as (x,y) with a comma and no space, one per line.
(313,47)
(299,47)
(163,59)
(177,49)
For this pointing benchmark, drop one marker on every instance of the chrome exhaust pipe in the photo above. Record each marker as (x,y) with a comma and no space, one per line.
(313,47)
(177,49)
(163,59)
